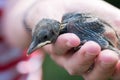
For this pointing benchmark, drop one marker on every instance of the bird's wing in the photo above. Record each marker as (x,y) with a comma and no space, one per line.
(89,21)
(84,24)
(85,33)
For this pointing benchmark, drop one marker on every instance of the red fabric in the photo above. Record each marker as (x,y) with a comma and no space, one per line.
(9,58)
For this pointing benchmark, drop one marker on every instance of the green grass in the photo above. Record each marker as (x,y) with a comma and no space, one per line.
(51,71)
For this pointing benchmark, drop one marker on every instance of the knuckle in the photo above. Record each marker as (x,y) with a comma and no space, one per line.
(79,70)
(75,72)
(72,72)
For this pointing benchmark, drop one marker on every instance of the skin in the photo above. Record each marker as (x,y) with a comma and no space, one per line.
(106,61)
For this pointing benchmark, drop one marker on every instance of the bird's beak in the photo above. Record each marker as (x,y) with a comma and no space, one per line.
(34,46)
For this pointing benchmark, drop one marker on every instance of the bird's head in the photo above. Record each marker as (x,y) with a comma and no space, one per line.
(45,32)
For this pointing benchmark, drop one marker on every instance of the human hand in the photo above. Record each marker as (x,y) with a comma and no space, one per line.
(79,62)
(105,63)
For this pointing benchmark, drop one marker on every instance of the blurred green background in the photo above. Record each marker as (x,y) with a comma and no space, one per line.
(114,2)
(51,71)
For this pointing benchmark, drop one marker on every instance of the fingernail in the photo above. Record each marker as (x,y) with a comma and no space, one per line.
(72,40)
(90,55)
(69,44)
(108,59)
(72,43)
(107,64)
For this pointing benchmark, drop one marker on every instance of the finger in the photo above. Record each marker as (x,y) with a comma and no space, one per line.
(104,66)
(80,61)
(116,74)
(64,43)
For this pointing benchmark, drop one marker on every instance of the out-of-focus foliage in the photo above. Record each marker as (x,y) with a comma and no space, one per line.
(51,71)
(114,2)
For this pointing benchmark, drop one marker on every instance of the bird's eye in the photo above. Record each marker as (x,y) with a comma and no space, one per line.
(45,37)
(52,32)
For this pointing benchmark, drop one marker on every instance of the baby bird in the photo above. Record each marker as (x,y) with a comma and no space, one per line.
(84,25)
